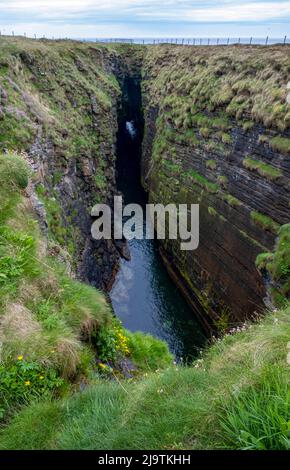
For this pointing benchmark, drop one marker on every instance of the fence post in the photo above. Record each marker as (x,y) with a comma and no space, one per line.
(285,40)
(208,42)
(228,41)
(194,41)
(239,40)
(217,41)
(267,40)
(251,41)
(200,41)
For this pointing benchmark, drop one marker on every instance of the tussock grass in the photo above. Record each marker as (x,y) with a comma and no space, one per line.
(265,222)
(264,169)
(234,397)
(282,144)
(44,313)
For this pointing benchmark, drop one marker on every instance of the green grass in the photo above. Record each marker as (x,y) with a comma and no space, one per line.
(55,324)
(281,144)
(278,266)
(202,181)
(264,169)
(232,200)
(235,397)
(258,418)
(211,164)
(147,352)
(265,222)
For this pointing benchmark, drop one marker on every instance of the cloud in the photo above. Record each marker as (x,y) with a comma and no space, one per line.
(110,17)
(145,10)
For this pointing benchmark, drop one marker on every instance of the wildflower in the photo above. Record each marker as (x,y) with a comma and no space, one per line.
(102,366)
(160,390)
(27,383)
(41,377)
(20,358)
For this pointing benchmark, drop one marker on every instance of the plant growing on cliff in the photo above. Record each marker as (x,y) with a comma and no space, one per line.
(281,144)
(111,342)
(22,380)
(265,222)
(264,169)
(278,266)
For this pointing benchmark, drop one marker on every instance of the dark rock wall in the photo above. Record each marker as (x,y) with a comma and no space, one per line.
(221,273)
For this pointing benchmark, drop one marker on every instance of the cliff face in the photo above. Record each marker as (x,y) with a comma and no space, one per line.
(217,134)
(59,104)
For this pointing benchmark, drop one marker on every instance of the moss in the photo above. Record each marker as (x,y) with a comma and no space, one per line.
(263,139)
(247,125)
(251,240)
(264,169)
(232,200)
(223,180)
(226,138)
(262,260)
(202,181)
(278,266)
(205,132)
(281,144)
(212,211)
(265,222)
(211,164)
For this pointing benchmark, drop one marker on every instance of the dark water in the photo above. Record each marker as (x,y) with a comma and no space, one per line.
(143,296)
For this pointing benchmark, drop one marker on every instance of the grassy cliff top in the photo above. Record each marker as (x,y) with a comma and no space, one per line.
(247,82)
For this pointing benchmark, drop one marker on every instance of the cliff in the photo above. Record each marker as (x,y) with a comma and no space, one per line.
(59,105)
(217,133)
(213,136)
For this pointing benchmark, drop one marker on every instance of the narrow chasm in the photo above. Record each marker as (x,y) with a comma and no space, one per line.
(144,297)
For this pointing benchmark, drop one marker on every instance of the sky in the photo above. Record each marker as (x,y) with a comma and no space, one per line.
(146,18)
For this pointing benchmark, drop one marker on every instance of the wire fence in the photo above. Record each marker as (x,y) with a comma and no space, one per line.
(211,41)
(199,41)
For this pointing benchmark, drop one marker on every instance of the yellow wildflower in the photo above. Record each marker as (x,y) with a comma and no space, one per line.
(41,377)
(20,358)
(27,383)
(102,366)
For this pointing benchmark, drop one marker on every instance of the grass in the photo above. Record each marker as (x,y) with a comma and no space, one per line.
(281,144)
(202,181)
(232,200)
(234,397)
(265,222)
(211,164)
(67,93)
(258,418)
(53,327)
(148,353)
(264,169)
(277,264)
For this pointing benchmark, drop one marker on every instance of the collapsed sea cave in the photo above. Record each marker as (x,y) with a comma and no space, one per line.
(144,296)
